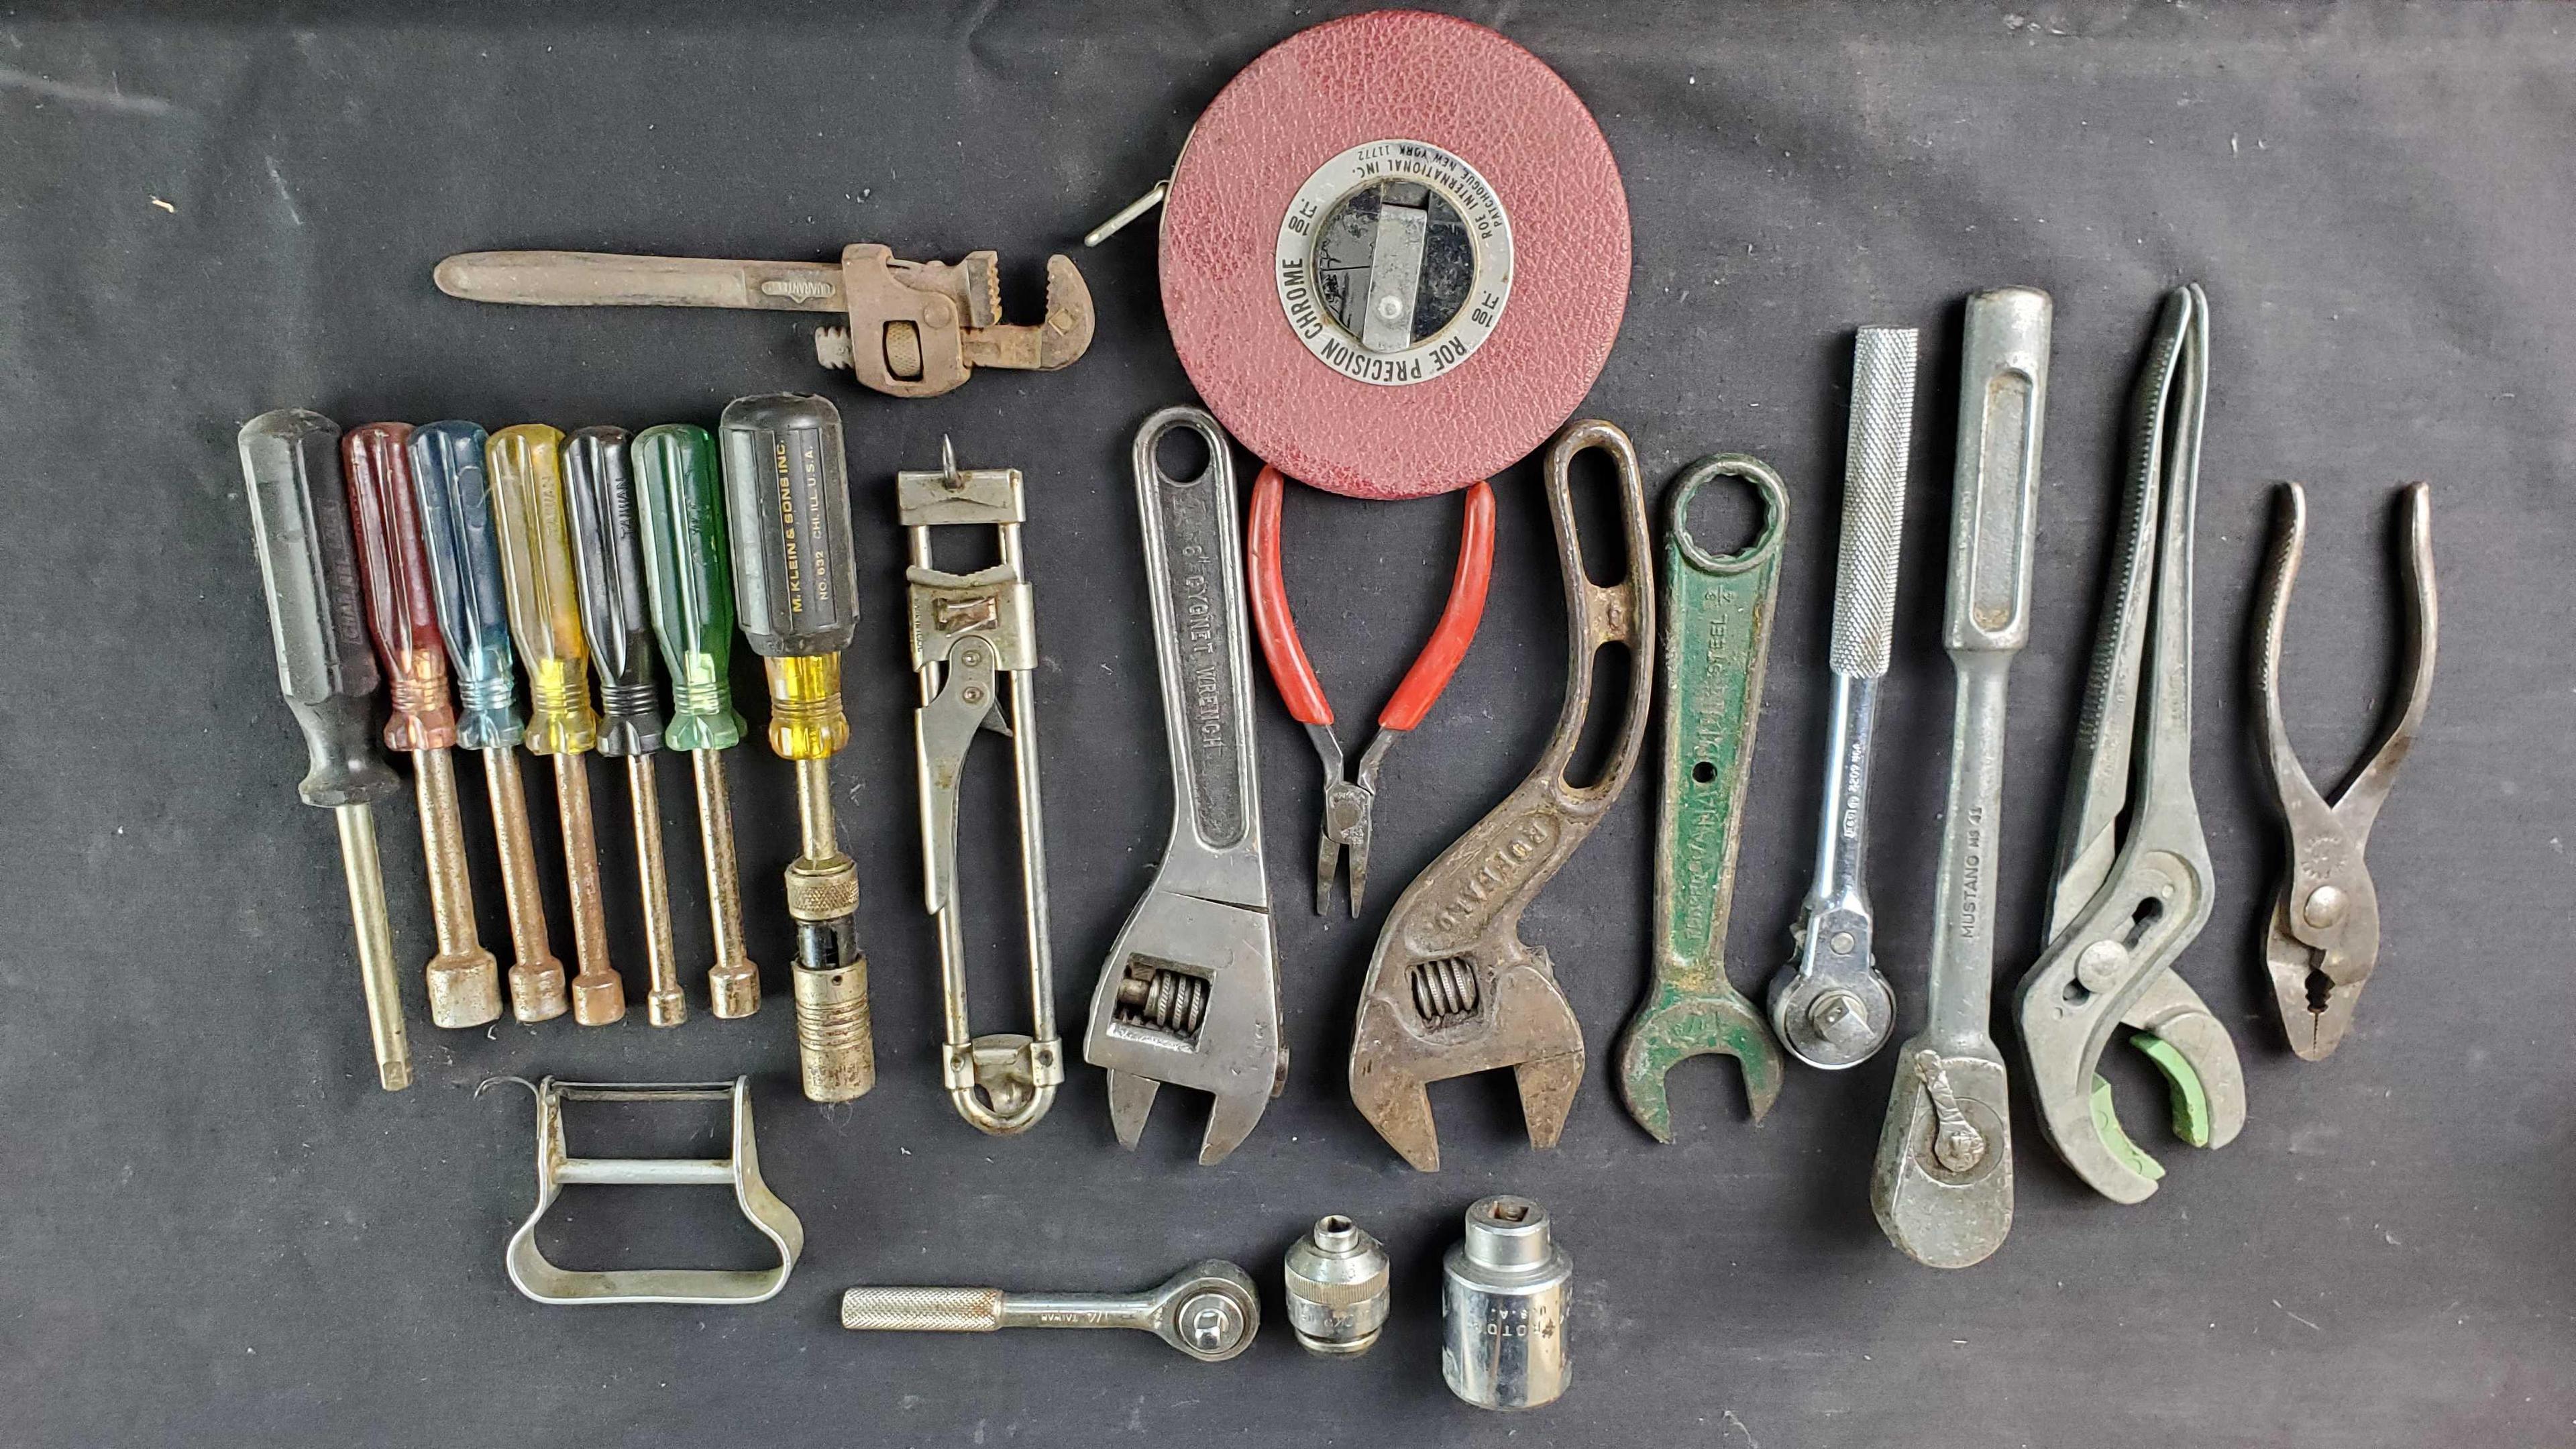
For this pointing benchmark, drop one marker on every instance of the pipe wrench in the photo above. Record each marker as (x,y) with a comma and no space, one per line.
(1190,994)
(2134,884)
(1717,637)
(1452,988)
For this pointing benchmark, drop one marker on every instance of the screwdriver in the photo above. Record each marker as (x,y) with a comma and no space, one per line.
(464,980)
(608,562)
(300,524)
(681,491)
(526,468)
(454,494)
(787,499)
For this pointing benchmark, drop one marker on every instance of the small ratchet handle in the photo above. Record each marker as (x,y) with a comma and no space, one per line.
(1194,571)
(1422,684)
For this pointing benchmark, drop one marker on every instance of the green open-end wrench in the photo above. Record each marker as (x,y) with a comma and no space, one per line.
(1720,608)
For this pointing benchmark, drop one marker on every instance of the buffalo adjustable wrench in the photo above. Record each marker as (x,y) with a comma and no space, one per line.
(1942,1183)
(916,329)
(1452,988)
(2134,884)
(1717,636)
(1829,1003)
(1190,994)
(971,635)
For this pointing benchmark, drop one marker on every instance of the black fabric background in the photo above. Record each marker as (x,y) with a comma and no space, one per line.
(215,1230)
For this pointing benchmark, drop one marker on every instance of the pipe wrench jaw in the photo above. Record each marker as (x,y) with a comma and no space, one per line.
(1440,1017)
(1678,1024)
(1944,1188)
(1190,999)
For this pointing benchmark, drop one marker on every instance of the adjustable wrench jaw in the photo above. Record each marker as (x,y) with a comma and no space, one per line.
(1190,998)
(1520,1019)
(2113,966)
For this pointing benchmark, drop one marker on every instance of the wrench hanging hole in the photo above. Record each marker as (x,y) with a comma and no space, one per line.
(1604,716)
(1182,455)
(1592,493)
(1704,773)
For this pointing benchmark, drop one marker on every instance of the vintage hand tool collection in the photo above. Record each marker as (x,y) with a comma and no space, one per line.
(1388,300)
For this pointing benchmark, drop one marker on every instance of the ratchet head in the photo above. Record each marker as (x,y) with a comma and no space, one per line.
(454,493)
(1829,1004)
(1208,1310)
(1943,1185)
(608,563)
(687,567)
(1679,1024)
(1190,998)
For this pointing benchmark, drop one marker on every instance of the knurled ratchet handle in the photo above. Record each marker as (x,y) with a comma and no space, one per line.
(1422,684)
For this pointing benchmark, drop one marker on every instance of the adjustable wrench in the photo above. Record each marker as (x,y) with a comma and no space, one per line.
(1190,993)
(1942,1185)
(1452,988)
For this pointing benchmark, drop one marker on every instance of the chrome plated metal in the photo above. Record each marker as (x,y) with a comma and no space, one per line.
(1505,1291)
(1208,1310)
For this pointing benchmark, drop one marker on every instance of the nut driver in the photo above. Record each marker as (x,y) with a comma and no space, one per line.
(464,980)
(679,490)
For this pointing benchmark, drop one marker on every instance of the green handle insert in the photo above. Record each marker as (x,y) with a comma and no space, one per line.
(688,569)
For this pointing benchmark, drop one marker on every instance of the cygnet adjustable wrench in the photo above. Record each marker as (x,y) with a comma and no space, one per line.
(2134,884)
(1829,1004)
(1452,988)
(2323,936)
(1717,636)
(1942,1184)
(1190,994)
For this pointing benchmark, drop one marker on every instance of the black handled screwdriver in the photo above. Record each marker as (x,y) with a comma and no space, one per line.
(608,563)
(299,515)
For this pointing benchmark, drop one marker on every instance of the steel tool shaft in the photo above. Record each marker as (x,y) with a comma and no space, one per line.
(1829,1005)
(1942,1185)
(300,524)
(1208,1310)
(452,487)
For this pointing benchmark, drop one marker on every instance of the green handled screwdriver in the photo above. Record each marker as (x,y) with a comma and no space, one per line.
(526,468)
(681,492)
(455,497)
(608,563)
(299,517)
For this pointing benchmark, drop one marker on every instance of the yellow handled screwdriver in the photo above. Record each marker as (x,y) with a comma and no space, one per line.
(299,516)
(464,980)
(795,588)
(526,468)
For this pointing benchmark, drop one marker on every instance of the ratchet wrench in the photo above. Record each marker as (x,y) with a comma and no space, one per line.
(1452,988)
(2134,884)
(1942,1183)
(1717,638)
(1829,1004)
(1190,994)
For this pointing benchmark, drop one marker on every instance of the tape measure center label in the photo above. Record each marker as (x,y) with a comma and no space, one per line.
(1394,262)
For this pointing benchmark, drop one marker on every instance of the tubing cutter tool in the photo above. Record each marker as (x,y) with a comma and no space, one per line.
(2127,901)
(2322,938)
(1452,988)
(1348,802)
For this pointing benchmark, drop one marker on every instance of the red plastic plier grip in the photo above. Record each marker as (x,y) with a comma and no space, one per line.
(1346,802)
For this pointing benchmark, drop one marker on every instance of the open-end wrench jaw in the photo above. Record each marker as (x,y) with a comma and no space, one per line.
(1678,1025)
